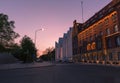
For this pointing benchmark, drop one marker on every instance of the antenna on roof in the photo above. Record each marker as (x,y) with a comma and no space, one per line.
(82,11)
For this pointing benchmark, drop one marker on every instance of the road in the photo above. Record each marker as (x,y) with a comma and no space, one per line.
(62,73)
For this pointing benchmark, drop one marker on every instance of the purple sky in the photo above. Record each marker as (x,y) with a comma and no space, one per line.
(56,16)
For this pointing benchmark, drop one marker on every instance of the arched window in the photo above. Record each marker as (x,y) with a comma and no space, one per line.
(93,46)
(88,47)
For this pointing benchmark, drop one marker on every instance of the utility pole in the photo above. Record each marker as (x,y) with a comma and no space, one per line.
(82,11)
(42,29)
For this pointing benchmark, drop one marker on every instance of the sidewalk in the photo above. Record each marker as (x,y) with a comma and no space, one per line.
(106,65)
(25,65)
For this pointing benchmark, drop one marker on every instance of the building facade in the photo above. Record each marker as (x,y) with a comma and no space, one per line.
(69,45)
(59,50)
(63,49)
(98,39)
(75,32)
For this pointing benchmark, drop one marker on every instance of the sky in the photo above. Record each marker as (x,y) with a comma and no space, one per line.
(55,16)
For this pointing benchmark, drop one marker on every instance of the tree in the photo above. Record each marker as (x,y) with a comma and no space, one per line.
(17,51)
(28,49)
(49,54)
(25,51)
(2,48)
(7,34)
(48,50)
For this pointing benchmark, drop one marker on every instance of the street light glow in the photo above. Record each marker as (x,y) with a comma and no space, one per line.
(42,29)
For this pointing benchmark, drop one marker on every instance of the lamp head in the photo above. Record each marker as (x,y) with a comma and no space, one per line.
(42,29)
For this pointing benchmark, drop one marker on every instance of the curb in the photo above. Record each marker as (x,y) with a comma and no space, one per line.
(24,66)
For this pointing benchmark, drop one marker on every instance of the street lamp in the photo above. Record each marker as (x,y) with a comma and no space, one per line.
(42,29)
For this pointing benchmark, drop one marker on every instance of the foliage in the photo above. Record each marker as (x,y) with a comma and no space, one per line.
(26,52)
(7,34)
(28,49)
(2,49)
(49,54)
(16,51)
(28,45)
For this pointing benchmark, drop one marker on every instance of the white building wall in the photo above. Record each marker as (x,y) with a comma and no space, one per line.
(64,47)
(59,50)
(69,44)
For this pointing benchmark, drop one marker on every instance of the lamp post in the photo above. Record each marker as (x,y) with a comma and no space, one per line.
(42,29)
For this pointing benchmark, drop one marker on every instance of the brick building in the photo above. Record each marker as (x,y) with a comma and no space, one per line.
(75,32)
(98,39)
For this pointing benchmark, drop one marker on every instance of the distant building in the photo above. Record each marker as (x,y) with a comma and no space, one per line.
(59,50)
(69,45)
(98,39)
(56,51)
(63,48)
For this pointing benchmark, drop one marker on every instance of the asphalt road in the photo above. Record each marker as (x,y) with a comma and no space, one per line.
(62,73)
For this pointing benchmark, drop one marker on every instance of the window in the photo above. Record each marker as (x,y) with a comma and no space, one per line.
(95,35)
(88,47)
(106,21)
(99,44)
(108,31)
(110,56)
(93,46)
(91,38)
(100,25)
(118,41)
(109,43)
(103,57)
(118,55)
(116,28)
(81,42)
(114,17)
(101,33)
